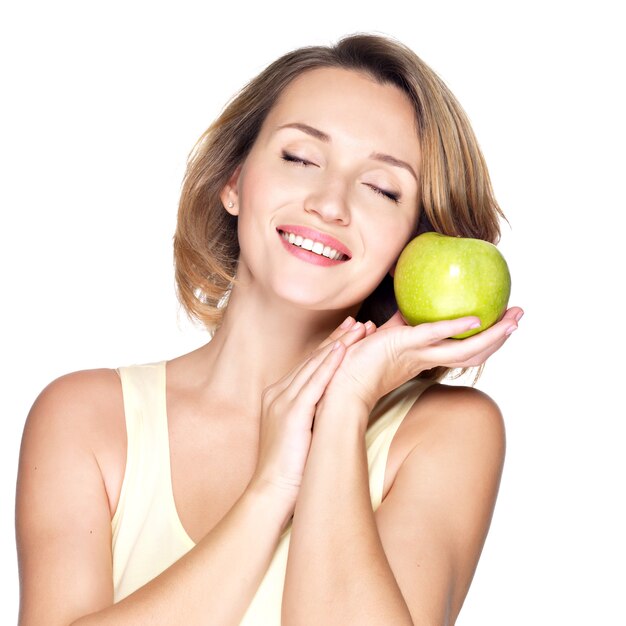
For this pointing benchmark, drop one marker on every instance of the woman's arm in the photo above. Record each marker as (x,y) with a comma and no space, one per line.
(64,518)
(412,561)
(63,526)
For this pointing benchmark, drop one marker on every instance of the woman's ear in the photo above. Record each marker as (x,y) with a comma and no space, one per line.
(230,194)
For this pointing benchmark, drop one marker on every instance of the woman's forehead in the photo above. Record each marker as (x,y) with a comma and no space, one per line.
(351,107)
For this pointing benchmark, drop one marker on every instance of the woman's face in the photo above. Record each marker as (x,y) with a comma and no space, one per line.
(336,162)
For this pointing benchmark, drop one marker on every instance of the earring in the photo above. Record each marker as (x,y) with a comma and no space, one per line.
(230,204)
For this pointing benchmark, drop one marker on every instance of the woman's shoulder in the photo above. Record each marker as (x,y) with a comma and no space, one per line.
(78,396)
(85,405)
(454,413)
(77,417)
(453,398)
(452,434)
(83,408)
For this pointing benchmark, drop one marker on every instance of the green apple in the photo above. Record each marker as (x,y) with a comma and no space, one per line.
(439,277)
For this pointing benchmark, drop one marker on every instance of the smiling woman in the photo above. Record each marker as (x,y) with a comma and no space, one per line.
(337,190)
(304,466)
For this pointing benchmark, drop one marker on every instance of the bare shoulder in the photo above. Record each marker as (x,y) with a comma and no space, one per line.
(80,388)
(460,398)
(86,403)
(448,416)
(80,410)
(454,412)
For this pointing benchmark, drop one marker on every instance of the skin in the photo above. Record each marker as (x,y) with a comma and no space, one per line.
(73,454)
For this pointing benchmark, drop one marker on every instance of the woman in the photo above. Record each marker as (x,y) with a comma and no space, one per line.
(305,465)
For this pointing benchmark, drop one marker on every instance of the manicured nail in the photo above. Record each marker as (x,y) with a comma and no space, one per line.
(347,322)
(357,326)
(519,316)
(475,325)
(369,325)
(510,329)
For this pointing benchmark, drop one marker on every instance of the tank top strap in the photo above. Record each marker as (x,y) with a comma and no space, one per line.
(146,430)
(386,418)
(145,521)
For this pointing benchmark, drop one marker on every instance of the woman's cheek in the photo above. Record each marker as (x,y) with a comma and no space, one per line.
(392,237)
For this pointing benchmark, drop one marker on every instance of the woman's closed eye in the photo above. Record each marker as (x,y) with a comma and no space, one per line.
(290,158)
(297,161)
(394,197)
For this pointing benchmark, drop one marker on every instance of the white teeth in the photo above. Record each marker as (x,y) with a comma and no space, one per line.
(313,246)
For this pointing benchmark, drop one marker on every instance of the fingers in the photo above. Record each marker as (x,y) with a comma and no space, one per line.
(434,332)
(474,359)
(300,375)
(338,332)
(313,359)
(474,350)
(311,389)
(429,345)
(514,312)
(347,325)
(438,331)
(310,382)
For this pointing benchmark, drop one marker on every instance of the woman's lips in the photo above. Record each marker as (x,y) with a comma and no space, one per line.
(307,255)
(316,235)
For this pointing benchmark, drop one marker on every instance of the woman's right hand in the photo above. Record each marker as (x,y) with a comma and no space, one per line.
(288,409)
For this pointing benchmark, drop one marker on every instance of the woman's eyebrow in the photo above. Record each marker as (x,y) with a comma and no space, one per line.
(309,130)
(376,156)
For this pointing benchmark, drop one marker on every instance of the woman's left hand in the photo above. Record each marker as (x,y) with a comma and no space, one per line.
(391,355)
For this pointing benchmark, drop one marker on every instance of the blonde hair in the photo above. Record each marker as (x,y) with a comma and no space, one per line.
(456,197)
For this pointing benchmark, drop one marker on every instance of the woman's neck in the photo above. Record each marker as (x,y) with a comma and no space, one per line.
(261,339)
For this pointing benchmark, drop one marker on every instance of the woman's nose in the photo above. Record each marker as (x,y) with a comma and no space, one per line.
(330,203)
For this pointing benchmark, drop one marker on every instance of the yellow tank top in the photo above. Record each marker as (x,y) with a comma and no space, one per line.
(148,535)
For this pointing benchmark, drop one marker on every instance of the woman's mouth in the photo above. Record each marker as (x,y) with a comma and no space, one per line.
(317,247)
(310,249)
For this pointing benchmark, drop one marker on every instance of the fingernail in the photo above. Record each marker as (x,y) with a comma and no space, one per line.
(519,316)
(369,325)
(475,325)
(510,329)
(357,326)
(347,322)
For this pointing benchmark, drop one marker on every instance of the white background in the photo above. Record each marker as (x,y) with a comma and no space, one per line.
(103,101)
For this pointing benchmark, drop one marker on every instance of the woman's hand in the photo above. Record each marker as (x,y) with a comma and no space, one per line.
(396,352)
(288,408)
